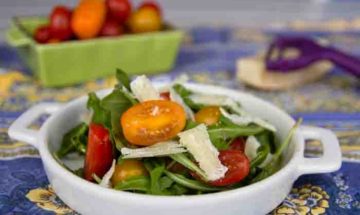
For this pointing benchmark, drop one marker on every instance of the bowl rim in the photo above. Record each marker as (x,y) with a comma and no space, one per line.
(146,199)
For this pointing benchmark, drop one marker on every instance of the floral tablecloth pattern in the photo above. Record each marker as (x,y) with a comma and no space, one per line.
(207,56)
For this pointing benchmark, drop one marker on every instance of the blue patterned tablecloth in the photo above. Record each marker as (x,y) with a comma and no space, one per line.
(208,56)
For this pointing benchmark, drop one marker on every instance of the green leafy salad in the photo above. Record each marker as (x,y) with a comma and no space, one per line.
(171,141)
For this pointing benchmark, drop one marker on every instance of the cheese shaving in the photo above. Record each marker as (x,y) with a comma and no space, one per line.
(197,142)
(105,181)
(251,147)
(177,98)
(156,150)
(246,119)
(143,90)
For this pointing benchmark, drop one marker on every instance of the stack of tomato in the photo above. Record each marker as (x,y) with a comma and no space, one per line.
(97,18)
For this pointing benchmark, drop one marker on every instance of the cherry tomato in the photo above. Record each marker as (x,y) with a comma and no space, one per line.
(208,115)
(119,10)
(99,152)
(238,167)
(60,23)
(88,18)
(165,95)
(145,20)
(238,144)
(111,28)
(42,34)
(152,121)
(151,4)
(127,169)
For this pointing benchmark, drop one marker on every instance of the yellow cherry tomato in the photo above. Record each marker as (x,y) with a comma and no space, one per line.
(145,20)
(153,121)
(208,115)
(127,169)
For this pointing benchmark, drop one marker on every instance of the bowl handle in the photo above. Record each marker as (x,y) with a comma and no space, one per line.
(330,160)
(19,128)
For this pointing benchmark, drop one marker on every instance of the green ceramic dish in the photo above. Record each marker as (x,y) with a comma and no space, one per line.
(77,61)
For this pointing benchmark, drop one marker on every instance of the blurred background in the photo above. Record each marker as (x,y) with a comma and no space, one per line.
(187,13)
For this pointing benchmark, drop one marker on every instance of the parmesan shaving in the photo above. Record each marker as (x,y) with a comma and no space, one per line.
(158,149)
(177,98)
(143,89)
(197,142)
(105,181)
(251,147)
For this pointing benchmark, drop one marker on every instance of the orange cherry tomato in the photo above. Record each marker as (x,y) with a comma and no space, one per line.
(88,18)
(208,115)
(127,169)
(153,121)
(145,20)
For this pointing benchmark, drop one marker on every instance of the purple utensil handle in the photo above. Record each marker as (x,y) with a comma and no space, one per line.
(345,61)
(310,52)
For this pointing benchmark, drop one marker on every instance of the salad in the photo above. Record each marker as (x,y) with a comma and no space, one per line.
(171,142)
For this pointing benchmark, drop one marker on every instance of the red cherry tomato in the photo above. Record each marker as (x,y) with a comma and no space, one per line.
(111,28)
(165,95)
(119,10)
(99,152)
(238,144)
(151,4)
(238,167)
(60,23)
(42,34)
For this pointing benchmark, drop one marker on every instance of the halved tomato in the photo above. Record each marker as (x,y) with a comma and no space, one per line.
(238,144)
(153,121)
(209,115)
(238,167)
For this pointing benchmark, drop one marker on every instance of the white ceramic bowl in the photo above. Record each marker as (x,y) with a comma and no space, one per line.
(258,198)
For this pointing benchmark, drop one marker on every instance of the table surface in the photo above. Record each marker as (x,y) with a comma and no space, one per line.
(207,56)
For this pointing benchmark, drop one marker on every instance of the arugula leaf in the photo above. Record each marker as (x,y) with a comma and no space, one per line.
(138,183)
(190,124)
(155,170)
(165,183)
(181,90)
(74,140)
(275,163)
(186,162)
(221,134)
(219,131)
(123,79)
(116,103)
(189,183)
(177,189)
(263,150)
(100,115)
(184,94)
